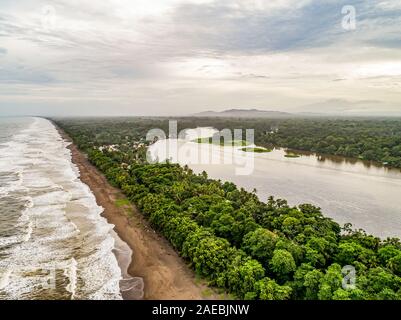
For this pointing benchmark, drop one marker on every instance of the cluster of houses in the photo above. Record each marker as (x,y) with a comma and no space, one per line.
(116,147)
(109,148)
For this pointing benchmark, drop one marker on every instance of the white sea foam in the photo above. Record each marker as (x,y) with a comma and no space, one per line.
(49,238)
(5,242)
(28,234)
(5,278)
(71,273)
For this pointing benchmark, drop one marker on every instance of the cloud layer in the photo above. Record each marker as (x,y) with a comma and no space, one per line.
(175,57)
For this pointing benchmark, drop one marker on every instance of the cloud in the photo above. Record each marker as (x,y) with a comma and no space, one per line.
(352,107)
(20,74)
(290,25)
(173,55)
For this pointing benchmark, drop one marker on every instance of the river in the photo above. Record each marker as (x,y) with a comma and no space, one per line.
(366,195)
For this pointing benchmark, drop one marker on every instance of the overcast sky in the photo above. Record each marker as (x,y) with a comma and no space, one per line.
(176,57)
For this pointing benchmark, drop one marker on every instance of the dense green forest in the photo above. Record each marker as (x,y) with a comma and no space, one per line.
(254,249)
(376,140)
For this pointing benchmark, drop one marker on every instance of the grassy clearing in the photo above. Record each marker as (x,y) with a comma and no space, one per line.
(256,150)
(230,143)
(122,203)
(292,155)
(207,293)
(126,205)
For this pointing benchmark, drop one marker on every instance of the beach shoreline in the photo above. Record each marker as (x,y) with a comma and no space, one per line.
(165,274)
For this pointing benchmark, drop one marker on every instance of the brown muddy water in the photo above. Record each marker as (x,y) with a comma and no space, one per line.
(364,194)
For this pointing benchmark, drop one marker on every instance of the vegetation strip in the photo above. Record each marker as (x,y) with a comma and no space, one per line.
(252,249)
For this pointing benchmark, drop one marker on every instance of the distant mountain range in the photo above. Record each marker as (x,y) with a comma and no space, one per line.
(328,108)
(244,113)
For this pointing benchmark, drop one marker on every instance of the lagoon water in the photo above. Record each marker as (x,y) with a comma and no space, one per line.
(54,244)
(366,195)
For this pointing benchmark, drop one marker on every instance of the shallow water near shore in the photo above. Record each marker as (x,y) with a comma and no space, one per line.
(364,194)
(54,244)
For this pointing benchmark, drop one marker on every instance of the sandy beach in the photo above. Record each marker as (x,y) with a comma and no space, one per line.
(165,275)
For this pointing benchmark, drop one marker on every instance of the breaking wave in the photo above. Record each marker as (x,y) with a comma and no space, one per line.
(54,244)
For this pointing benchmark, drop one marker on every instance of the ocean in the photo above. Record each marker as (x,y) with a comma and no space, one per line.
(54,244)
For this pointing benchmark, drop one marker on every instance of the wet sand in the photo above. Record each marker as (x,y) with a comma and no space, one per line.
(165,274)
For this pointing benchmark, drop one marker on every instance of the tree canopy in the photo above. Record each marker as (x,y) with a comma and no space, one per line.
(252,248)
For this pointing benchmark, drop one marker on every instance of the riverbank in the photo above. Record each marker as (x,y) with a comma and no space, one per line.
(165,275)
(347,192)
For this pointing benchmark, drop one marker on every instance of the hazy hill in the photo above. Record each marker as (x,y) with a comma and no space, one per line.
(244,113)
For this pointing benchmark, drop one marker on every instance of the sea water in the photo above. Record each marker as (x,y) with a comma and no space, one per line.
(54,244)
